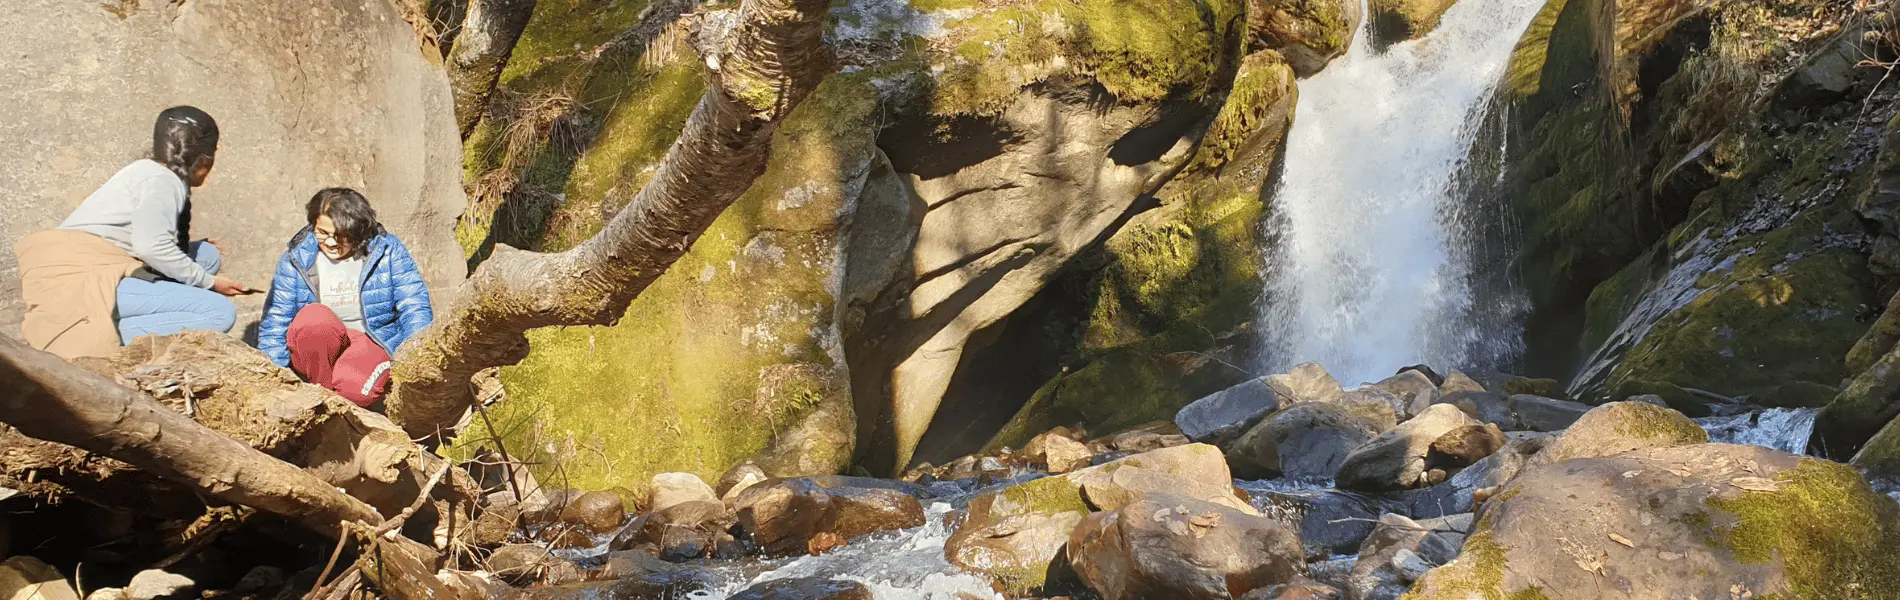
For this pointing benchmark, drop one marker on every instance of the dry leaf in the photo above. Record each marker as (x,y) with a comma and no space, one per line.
(1756,484)
(1629,474)
(1670,556)
(1622,540)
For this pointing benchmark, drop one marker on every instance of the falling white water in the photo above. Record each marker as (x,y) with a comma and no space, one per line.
(1372,271)
(1784,429)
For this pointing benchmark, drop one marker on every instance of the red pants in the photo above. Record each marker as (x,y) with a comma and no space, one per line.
(346,361)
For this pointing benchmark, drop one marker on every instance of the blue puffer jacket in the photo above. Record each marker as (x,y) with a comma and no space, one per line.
(395,300)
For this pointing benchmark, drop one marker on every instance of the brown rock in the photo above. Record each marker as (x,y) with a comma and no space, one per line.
(1165,546)
(1300,589)
(1057,452)
(520,562)
(824,542)
(1396,459)
(596,512)
(669,489)
(738,479)
(26,578)
(1308,382)
(1306,441)
(784,515)
(1465,445)
(805,588)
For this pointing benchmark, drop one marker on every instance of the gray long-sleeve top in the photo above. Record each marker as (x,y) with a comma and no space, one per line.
(137,210)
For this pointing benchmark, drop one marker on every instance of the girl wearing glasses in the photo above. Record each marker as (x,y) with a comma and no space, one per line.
(345,297)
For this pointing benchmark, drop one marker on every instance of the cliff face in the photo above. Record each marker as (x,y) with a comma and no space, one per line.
(307,95)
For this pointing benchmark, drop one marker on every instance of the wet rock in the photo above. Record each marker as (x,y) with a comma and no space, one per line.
(1013,534)
(1706,521)
(1165,546)
(1307,382)
(1537,413)
(261,578)
(739,478)
(669,489)
(1143,438)
(520,562)
(494,525)
(596,512)
(1457,381)
(1464,446)
(1057,452)
(1396,459)
(680,582)
(1016,537)
(1300,589)
(549,506)
(1427,371)
(153,584)
(1228,413)
(1308,34)
(1196,471)
(1375,406)
(805,588)
(626,564)
(1486,407)
(1414,389)
(1400,550)
(1330,522)
(1620,427)
(26,578)
(1548,388)
(1307,441)
(782,516)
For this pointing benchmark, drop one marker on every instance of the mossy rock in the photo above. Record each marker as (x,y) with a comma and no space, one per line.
(1781,307)
(1395,21)
(1620,427)
(728,356)
(1706,521)
(1309,33)
(1141,52)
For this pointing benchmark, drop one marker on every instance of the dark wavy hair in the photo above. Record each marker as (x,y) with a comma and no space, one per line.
(184,139)
(355,221)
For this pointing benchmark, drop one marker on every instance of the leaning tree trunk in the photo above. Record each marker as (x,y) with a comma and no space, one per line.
(761,71)
(53,400)
(488,36)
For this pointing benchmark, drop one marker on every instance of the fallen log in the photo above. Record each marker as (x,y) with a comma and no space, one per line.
(50,399)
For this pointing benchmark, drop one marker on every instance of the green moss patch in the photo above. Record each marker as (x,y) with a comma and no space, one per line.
(1833,535)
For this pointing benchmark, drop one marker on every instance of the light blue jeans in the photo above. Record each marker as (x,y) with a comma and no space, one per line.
(165,307)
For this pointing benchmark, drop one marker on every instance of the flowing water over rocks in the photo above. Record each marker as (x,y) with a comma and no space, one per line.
(1374,268)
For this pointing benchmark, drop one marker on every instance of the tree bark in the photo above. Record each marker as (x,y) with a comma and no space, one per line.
(49,399)
(488,35)
(760,72)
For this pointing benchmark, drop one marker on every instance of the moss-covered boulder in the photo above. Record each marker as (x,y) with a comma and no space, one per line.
(1309,33)
(734,352)
(1620,427)
(1395,21)
(1172,308)
(1705,521)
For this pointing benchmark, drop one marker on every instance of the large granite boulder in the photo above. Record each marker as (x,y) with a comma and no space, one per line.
(1165,546)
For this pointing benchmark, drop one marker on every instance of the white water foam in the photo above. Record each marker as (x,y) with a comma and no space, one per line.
(1369,273)
(1784,429)
(899,565)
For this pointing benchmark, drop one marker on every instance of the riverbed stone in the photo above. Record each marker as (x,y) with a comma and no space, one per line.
(1414,388)
(1228,413)
(1057,451)
(805,588)
(154,584)
(1538,413)
(27,578)
(1306,382)
(783,516)
(1016,537)
(1706,520)
(597,512)
(1165,546)
(1620,427)
(671,489)
(1400,550)
(1486,407)
(1396,459)
(1330,522)
(1307,441)
(1464,446)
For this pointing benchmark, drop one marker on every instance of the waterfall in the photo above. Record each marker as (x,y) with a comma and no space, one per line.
(1381,260)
